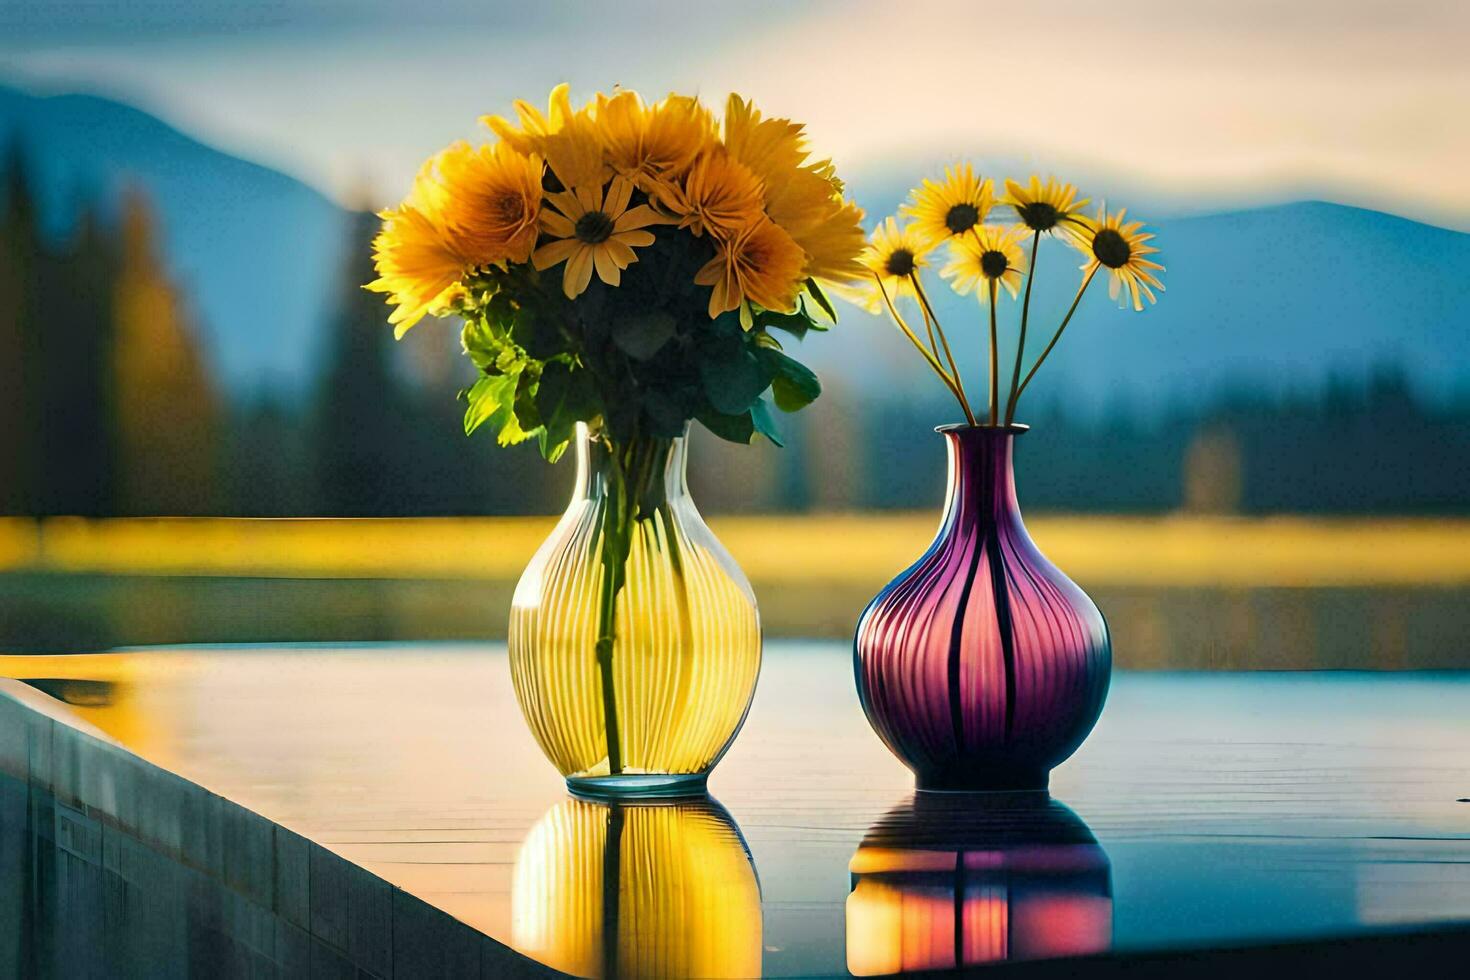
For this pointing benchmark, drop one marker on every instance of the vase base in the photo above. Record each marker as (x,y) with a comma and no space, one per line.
(639,786)
(1010,782)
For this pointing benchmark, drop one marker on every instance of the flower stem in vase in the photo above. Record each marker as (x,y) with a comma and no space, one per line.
(616,537)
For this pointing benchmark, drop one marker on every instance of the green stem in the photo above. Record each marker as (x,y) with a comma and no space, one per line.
(919,346)
(954,368)
(1086,281)
(616,533)
(635,492)
(1021,340)
(994,358)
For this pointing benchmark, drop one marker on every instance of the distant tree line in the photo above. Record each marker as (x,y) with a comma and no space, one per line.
(108,406)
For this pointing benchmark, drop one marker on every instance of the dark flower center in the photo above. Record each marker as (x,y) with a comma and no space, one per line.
(993,264)
(961,218)
(1038,216)
(509,208)
(594,227)
(900,263)
(1111,248)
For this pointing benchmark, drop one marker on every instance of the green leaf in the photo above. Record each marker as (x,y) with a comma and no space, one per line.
(480,344)
(489,397)
(732,428)
(796,324)
(564,397)
(765,422)
(794,385)
(540,336)
(733,378)
(666,416)
(823,302)
(642,335)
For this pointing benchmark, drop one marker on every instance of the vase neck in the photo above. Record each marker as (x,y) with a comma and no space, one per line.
(651,470)
(982,486)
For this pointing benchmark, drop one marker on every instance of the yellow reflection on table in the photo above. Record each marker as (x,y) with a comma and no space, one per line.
(101,689)
(953,880)
(645,890)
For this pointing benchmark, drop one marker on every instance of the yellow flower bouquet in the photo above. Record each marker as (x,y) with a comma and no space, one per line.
(621,270)
(623,265)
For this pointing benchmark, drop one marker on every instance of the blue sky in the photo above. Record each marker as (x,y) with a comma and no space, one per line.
(1202,104)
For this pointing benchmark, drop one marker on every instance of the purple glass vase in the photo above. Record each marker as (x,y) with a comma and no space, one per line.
(982,666)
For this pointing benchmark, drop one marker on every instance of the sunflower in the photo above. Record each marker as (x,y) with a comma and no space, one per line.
(593,231)
(574,152)
(951,208)
(833,244)
(491,200)
(760,264)
(1109,243)
(772,148)
(653,146)
(990,254)
(804,199)
(720,195)
(418,263)
(530,136)
(1051,207)
(893,255)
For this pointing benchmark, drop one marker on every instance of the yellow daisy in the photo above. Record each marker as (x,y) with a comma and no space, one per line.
(418,264)
(894,254)
(719,194)
(593,231)
(491,200)
(760,264)
(1051,207)
(1110,244)
(950,208)
(989,254)
(530,136)
(652,146)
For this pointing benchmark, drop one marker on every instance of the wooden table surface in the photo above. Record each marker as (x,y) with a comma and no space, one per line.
(1206,810)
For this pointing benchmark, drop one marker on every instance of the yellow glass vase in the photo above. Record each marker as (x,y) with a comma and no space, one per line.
(634,637)
(609,889)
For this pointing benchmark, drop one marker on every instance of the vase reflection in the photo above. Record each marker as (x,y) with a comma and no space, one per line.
(953,880)
(638,890)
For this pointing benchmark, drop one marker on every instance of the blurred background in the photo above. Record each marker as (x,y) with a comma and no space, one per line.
(1271,468)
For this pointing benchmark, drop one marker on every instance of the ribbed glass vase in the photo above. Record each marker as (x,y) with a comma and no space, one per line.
(634,637)
(982,666)
(651,889)
(950,880)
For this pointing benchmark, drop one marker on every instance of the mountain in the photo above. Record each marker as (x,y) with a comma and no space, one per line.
(1278,298)
(258,251)
(1275,299)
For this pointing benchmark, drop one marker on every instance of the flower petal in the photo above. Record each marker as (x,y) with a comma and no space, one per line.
(557,224)
(618,195)
(635,238)
(551,253)
(607,269)
(640,217)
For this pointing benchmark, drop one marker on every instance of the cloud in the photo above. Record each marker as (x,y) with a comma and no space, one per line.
(1355,100)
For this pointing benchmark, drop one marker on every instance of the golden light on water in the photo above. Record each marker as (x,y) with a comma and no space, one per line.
(647,890)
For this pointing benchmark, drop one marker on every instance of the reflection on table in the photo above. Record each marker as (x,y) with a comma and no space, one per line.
(624,890)
(947,880)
